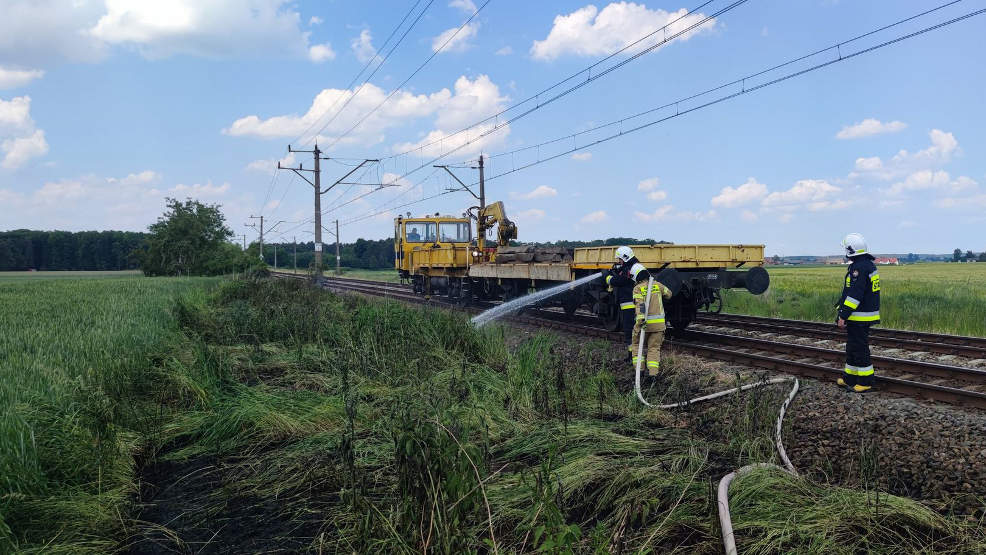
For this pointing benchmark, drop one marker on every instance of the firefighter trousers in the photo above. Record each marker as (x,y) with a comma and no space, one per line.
(652,350)
(859,368)
(627,317)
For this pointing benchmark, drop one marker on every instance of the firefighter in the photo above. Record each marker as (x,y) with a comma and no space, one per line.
(621,280)
(859,308)
(649,318)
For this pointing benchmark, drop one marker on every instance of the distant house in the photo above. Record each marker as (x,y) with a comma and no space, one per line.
(885,261)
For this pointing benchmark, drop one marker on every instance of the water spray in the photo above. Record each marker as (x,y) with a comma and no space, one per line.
(520,303)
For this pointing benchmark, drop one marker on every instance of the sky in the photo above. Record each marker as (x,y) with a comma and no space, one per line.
(107,107)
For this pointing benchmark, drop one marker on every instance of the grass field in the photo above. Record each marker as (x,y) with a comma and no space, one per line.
(74,354)
(940,297)
(270,416)
(7,276)
(389,275)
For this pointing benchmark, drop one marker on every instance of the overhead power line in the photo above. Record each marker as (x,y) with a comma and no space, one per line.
(409,77)
(840,56)
(588,79)
(369,62)
(498,125)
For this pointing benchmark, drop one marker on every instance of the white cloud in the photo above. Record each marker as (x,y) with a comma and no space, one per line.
(13,78)
(668,213)
(648,184)
(315,20)
(38,32)
(541,191)
(131,202)
(363,46)
(943,147)
(199,191)
(582,156)
(458,40)
(869,127)
(143,178)
(472,101)
(269,165)
(730,197)
(215,29)
(591,32)
(319,53)
(15,114)
(466,6)
(530,215)
(657,195)
(749,216)
(869,164)
(505,51)
(813,194)
(927,179)
(19,140)
(596,217)
(402,107)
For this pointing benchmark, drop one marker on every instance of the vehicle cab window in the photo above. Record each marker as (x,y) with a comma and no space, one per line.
(417,232)
(454,232)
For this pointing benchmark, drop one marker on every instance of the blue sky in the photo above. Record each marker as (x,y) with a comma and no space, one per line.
(107,107)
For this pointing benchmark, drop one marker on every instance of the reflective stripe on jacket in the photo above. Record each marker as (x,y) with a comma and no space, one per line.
(860,301)
(653,319)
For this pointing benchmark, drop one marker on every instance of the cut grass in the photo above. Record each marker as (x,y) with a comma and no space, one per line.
(940,297)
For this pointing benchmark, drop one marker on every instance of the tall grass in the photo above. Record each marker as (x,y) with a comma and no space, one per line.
(340,424)
(72,353)
(943,298)
(287,418)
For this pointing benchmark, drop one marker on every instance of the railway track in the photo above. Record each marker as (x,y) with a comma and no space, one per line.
(913,378)
(974,347)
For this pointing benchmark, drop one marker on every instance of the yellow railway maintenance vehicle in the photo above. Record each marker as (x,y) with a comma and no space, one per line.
(439,256)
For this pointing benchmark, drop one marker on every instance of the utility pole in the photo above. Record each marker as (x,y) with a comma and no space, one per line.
(275,256)
(481,197)
(261,218)
(294,240)
(244,241)
(317,186)
(338,259)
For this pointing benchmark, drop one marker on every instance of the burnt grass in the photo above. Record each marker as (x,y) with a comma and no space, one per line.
(302,421)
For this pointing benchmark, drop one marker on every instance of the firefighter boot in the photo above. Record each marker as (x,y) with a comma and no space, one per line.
(860,388)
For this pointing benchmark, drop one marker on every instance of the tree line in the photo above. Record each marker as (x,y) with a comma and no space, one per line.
(969,256)
(369,254)
(23,249)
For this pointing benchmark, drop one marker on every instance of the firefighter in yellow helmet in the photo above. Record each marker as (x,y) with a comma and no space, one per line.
(649,318)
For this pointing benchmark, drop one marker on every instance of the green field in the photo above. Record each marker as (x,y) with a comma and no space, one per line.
(74,355)
(389,275)
(7,276)
(270,416)
(940,297)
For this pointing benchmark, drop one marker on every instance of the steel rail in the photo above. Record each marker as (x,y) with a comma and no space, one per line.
(934,342)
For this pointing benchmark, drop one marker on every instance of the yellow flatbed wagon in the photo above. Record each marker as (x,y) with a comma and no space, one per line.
(438,256)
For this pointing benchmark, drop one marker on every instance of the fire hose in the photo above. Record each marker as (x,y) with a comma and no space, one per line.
(725,521)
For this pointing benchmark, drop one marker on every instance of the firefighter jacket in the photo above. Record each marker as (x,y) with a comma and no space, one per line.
(860,301)
(622,283)
(652,317)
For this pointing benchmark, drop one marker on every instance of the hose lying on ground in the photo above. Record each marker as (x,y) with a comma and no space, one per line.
(725,521)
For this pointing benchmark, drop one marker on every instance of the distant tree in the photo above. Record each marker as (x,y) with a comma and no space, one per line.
(956,255)
(911,257)
(969,255)
(982,256)
(776,259)
(186,240)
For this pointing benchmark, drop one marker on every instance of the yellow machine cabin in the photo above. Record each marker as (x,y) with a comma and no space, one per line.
(432,246)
